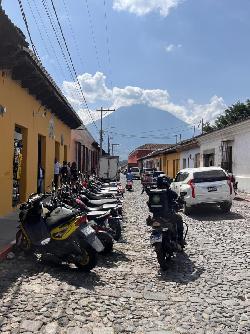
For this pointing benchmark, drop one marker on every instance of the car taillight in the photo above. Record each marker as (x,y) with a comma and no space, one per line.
(82,220)
(230,185)
(191,184)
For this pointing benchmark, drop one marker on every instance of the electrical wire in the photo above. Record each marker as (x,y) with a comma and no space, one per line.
(72,64)
(93,34)
(57,37)
(58,65)
(27,28)
(73,34)
(107,41)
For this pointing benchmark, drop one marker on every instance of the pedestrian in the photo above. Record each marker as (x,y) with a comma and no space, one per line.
(40,179)
(64,173)
(56,173)
(73,172)
(69,173)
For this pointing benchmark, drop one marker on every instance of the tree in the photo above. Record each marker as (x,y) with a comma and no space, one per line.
(237,112)
(233,114)
(207,127)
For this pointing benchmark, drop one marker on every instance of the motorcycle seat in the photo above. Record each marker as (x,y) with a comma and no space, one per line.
(98,214)
(102,201)
(59,216)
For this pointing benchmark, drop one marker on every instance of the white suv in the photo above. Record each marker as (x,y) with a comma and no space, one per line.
(204,185)
(135,171)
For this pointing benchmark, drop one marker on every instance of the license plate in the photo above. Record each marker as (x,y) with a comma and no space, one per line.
(212,189)
(87,230)
(155,238)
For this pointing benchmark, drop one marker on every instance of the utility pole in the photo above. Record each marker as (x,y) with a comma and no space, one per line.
(176,138)
(180,137)
(101,130)
(202,125)
(113,147)
(108,145)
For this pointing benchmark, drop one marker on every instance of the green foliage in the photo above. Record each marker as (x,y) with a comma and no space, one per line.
(207,127)
(236,113)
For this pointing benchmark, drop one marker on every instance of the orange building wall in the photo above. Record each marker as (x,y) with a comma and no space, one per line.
(20,107)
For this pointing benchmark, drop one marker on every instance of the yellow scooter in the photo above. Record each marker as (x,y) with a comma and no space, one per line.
(63,234)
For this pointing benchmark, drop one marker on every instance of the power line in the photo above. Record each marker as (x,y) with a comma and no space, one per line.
(73,33)
(93,34)
(27,28)
(72,64)
(59,68)
(57,38)
(107,41)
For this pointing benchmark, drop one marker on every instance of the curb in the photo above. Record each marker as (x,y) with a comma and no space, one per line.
(6,250)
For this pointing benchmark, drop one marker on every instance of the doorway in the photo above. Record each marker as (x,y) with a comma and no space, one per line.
(57,151)
(65,153)
(19,165)
(41,163)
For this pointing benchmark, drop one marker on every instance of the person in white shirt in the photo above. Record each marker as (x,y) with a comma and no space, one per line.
(56,173)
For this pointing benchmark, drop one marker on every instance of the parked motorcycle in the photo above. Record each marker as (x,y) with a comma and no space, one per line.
(61,233)
(167,232)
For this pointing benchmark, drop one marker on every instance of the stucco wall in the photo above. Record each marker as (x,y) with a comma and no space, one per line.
(241,160)
(20,107)
(189,154)
(168,164)
(239,135)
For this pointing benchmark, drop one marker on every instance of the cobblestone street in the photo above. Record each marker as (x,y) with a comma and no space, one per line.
(205,290)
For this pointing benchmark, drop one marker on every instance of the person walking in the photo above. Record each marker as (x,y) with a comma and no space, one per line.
(64,173)
(40,179)
(73,171)
(56,173)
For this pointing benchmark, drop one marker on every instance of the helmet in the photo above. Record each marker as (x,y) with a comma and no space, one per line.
(163,182)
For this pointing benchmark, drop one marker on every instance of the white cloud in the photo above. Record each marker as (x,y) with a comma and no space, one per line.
(143,7)
(97,92)
(172,47)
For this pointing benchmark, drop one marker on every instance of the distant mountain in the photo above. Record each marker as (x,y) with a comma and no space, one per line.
(133,126)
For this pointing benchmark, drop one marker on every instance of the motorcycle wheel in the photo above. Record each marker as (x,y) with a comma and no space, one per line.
(107,242)
(22,242)
(116,227)
(161,256)
(88,259)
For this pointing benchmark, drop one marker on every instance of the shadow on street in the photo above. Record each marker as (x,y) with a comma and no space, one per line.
(112,260)
(213,214)
(181,270)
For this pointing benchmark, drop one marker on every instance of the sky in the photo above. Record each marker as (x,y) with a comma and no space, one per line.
(188,57)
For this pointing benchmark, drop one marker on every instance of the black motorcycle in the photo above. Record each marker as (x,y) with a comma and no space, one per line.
(167,230)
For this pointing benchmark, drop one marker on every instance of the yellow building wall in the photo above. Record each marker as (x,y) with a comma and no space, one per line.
(20,107)
(171,164)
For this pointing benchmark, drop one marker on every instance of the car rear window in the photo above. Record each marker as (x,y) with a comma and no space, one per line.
(134,169)
(210,176)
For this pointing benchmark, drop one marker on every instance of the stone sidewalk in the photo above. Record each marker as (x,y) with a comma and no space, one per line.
(8,228)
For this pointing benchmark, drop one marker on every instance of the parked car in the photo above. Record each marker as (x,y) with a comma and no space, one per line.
(204,185)
(135,171)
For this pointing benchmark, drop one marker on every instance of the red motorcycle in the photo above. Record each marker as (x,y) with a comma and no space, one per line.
(129,185)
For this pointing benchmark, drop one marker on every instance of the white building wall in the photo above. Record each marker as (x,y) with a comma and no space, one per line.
(209,146)
(241,160)
(189,155)
(239,135)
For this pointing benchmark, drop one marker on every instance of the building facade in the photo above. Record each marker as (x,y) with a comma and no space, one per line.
(84,150)
(229,148)
(189,154)
(142,151)
(35,119)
